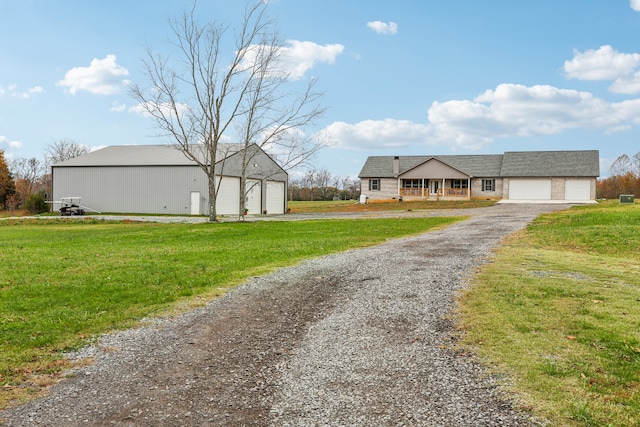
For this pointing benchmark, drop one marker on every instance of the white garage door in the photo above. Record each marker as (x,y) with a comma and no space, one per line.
(228,201)
(275,197)
(254,196)
(530,189)
(577,189)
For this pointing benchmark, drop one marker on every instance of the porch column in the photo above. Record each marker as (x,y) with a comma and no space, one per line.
(469,187)
(399,187)
(442,187)
(424,188)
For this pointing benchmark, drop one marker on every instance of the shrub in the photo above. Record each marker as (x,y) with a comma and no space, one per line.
(36,204)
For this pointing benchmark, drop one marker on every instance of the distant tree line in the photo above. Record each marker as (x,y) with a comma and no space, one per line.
(624,178)
(26,182)
(322,185)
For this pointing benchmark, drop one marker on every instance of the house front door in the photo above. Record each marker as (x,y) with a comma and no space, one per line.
(433,187)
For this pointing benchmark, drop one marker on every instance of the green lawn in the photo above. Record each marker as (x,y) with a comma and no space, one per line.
(65,281)
(559,310)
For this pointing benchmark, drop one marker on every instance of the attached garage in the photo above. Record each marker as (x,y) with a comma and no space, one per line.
(530,189)
(577,189)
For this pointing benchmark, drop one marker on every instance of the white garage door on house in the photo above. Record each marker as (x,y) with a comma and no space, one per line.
(530,189)
(577,189)
(275,197)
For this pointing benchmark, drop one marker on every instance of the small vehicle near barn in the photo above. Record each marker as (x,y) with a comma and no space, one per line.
(71,206)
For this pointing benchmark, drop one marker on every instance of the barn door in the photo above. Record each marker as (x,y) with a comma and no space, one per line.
(195,203)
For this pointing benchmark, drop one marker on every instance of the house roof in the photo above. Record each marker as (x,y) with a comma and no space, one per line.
(509,164)
(142,155)
(551,163)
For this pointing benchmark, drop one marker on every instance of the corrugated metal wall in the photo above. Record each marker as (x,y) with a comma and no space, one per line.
(158,189)
(152,189)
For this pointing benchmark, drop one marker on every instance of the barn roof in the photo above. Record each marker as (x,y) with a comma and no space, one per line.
(142,155)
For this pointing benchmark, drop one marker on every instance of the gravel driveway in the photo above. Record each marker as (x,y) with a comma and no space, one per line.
(360,338)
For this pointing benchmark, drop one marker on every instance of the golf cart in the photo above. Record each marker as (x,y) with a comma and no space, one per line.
(71,206)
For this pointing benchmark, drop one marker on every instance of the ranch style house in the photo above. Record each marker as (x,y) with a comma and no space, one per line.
(160,179)
(568,176)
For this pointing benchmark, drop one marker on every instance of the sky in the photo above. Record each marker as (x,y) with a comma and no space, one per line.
(399,77)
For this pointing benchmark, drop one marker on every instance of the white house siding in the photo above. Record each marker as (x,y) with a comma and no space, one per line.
(153,189)
(275,197)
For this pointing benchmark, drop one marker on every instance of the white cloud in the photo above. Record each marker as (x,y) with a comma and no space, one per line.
(603,64)
(166,109)
(509,111)
(117,107)
(378,134)
(102,77)
(628,85)
(301,56)
(296,58)
(606,63)
(13,91)
(11,144)
(635,5)
(380,27)
(36,90)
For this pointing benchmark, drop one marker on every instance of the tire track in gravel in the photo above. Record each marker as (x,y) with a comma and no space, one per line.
(359,338)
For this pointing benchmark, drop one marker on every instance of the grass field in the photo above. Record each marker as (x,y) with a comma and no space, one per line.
(558,309)
(63,282)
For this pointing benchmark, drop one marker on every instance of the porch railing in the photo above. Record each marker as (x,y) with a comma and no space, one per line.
(456,192)
(442,192)
(412,192)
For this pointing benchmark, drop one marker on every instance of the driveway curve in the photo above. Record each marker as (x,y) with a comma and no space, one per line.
(360,338)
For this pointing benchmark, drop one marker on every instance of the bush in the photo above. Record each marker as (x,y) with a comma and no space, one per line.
(36,204)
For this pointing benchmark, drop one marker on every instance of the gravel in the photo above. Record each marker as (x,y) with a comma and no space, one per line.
(360,338)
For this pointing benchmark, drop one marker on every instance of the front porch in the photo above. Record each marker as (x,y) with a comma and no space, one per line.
(434,189)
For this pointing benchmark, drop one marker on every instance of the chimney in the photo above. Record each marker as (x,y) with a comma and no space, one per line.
(396,165)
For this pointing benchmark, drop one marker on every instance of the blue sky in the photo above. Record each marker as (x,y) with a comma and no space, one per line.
(400,77)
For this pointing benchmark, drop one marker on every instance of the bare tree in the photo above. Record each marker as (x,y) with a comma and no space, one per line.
(198,101)
(64,149)
(323,180)
(273,118)
(26,173)
(621,166)
(636,164)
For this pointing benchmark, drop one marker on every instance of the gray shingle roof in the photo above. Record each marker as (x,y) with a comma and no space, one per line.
(551,163)
(142,155)
(510,164)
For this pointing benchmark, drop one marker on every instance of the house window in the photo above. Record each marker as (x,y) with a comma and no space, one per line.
(459,183)
(488,185)
(374,185)
(411,183)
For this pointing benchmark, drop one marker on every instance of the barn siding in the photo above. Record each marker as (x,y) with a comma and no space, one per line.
(148,189)
(156,189)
